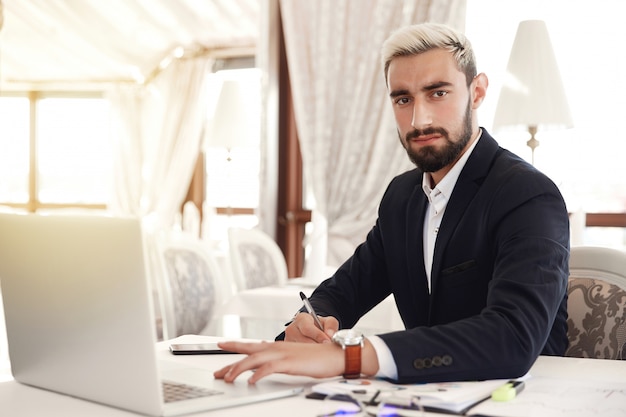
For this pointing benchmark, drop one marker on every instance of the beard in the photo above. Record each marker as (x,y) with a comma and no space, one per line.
(431,159)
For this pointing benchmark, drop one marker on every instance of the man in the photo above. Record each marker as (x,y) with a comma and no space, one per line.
(473,244)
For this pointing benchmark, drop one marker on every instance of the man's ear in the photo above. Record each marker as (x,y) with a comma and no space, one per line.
(479,89)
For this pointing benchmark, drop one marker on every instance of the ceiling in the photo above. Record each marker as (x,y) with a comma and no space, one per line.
(81,44)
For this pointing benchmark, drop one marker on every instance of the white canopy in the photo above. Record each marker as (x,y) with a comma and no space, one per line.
(83,43)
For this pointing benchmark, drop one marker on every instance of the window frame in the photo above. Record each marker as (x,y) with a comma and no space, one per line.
(34,204)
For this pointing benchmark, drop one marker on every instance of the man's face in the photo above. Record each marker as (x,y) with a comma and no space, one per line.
(433,108)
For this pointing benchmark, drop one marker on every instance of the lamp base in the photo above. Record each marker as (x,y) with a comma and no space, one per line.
(532,142)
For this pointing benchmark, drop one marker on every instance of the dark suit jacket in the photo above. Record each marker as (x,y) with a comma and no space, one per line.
(499,274)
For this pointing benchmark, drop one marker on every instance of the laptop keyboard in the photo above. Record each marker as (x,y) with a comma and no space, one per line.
(173,392)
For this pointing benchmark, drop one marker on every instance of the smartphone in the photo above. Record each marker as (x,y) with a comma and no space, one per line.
(198,349)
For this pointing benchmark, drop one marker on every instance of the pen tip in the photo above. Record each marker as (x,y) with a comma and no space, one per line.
(302,296)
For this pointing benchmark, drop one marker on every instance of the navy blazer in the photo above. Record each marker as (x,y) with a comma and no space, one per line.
(499,273)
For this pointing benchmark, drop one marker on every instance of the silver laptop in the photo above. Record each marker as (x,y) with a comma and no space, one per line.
(79,319)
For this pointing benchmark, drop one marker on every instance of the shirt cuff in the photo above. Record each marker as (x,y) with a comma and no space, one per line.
(386,365)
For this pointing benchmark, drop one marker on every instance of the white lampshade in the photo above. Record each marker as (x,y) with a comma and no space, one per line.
(232,124)
(532,94)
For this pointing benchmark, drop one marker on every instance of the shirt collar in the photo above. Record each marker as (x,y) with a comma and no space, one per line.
(447,183)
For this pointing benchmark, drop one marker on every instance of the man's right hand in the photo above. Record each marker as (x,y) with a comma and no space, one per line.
(303,329)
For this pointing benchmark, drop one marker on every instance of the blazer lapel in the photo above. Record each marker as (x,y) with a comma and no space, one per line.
(415,251)
(475,169)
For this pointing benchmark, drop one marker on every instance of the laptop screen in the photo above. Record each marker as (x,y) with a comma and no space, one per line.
(77,307)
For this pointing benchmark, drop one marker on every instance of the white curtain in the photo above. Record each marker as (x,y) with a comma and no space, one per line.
(349,142)
(158,131)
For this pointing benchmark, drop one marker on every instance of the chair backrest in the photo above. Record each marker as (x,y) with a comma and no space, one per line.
(597,303)
(256,259)
(192,287)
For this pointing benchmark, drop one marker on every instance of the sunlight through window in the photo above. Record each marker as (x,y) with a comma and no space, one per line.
(65,162)
(74,153)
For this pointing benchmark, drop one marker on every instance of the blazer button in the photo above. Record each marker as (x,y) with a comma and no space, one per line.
(437,361)
(428,363)
(446,360)
(418,364)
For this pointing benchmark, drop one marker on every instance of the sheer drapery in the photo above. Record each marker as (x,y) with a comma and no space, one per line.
(157,131)
(347,134)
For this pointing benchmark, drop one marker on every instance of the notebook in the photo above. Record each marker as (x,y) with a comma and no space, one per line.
(443,397)
(80,322)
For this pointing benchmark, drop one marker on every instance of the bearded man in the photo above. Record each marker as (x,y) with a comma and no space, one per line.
(473,244)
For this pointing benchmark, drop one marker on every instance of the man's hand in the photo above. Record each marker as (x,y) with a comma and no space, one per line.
(303,329)
(316,360)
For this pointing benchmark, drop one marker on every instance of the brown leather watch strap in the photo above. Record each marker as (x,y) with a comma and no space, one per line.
(353,361)
(351,341)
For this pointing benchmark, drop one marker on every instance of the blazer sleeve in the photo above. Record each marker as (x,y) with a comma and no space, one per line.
(359,284)
(362,281)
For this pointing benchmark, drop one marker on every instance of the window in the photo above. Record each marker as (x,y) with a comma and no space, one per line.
(55,152)
(586,162)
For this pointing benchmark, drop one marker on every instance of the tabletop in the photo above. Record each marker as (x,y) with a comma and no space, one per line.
(556,386)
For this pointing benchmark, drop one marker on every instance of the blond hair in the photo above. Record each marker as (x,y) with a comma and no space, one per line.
(423,37)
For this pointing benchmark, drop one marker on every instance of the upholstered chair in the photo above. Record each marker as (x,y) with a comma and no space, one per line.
(256,259)
(597,303)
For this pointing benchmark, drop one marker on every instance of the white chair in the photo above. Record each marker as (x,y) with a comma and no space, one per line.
(597,303)
(192,287)
(256,259)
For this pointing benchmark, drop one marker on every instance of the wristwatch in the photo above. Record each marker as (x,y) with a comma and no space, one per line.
(351,341)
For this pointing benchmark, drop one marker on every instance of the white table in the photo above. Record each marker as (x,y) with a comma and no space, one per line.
(557,387)
(264,311)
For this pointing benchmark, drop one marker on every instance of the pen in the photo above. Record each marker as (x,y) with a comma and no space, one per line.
(508,391)
(309,309)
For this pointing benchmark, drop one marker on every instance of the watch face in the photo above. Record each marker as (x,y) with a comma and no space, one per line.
(348,337)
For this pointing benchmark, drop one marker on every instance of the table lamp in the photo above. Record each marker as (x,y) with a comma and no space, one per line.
(231,125)
(532,95)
